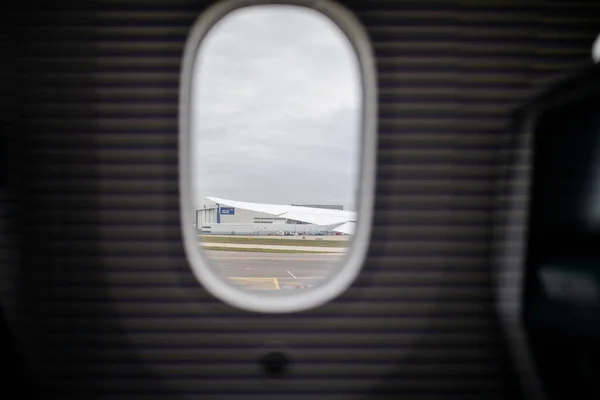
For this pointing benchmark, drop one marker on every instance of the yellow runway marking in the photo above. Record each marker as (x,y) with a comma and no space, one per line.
(249,278)
(256,283)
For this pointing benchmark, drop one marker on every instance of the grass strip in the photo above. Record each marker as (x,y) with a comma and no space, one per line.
(275,242)
(253,250)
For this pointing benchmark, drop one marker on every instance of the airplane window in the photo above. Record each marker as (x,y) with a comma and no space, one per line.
(277,153)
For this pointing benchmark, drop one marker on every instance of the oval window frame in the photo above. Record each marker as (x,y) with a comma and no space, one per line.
(349,270)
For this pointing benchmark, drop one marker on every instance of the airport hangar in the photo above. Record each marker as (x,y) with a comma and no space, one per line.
(216,219)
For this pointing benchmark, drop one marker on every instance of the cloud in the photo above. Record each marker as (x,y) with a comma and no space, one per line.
(277,104)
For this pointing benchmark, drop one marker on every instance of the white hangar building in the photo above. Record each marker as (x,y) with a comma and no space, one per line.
(217,219)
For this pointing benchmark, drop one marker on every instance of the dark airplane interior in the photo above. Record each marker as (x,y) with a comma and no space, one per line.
(481,279)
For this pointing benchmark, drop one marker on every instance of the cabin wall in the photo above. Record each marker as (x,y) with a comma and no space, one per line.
(104,304)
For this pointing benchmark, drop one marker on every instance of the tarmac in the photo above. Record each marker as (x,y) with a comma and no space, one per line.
(274,271)
(300,237)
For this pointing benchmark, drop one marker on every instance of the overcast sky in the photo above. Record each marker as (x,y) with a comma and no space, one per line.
(277,103)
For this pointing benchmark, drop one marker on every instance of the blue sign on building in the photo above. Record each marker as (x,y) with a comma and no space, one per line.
(227,211)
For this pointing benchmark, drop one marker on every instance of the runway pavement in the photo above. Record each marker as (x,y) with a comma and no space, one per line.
(300,237)
(274,271)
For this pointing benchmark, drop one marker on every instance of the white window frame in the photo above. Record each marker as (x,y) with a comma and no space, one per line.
(292,300)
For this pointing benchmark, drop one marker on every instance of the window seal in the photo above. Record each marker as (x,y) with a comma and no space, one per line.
(282,301)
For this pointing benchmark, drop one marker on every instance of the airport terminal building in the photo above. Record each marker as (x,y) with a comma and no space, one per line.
(216,219)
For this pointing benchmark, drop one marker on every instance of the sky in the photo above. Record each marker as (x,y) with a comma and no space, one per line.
(276,110)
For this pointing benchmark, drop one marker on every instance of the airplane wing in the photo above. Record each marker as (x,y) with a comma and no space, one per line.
(337,220)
